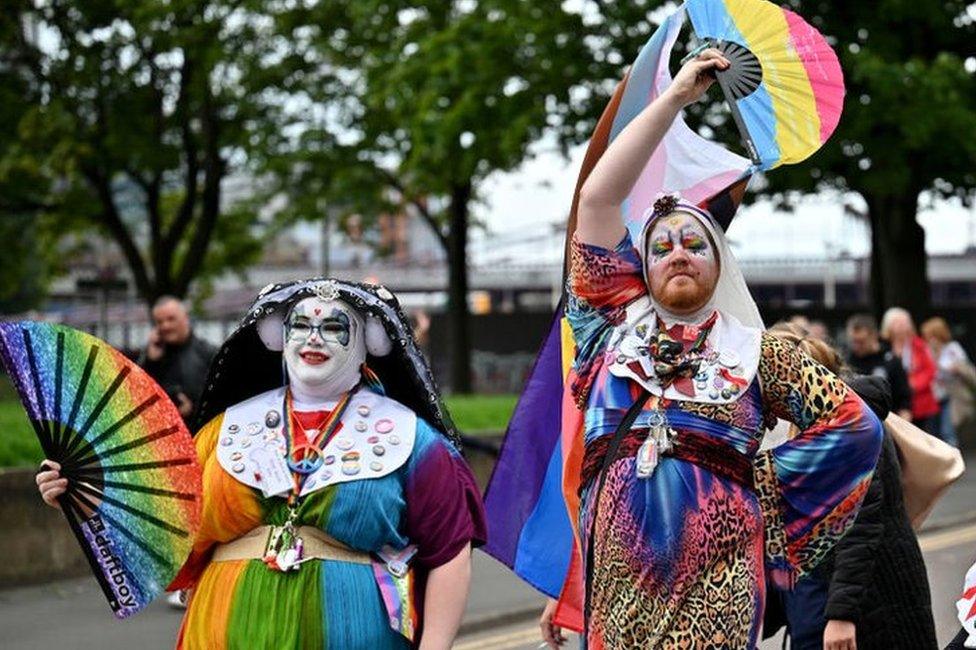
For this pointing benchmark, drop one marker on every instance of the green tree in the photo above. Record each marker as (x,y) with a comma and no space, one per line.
(134,115)
(907,126)
(426,99)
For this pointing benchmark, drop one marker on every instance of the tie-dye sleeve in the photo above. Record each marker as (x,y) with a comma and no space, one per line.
(811,487)
(601,283)
(443,510)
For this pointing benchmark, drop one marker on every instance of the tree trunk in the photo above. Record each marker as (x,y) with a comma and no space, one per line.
(457,290)
(899,275)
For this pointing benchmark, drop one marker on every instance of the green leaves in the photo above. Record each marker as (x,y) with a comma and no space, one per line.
(128,117)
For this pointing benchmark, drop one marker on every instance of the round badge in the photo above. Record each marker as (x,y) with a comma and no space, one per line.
(728,358)
(376,466)
(350,469)
(233,428)
(326,475)
(309,482)
(350,457)
(236,455)
(272,419)
(373,440)
(713,394)
(379,450)
(237,468)
(329,459)
(726,393)
(363,410)
(718,382)
(360,426)
(344,443)
(384,426)
(254,428)
(227,442)
(734,388)
(393,440)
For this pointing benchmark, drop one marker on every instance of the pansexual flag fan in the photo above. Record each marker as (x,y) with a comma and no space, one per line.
(133,497)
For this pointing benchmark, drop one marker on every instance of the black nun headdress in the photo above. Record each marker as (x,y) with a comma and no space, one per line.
(249,362)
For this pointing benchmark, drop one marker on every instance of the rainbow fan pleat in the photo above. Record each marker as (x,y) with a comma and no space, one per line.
(111,427)
(798,103)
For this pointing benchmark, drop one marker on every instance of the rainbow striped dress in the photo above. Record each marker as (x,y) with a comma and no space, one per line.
(430,501)
(679,558)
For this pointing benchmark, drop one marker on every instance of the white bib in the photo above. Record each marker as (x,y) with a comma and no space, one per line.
(376,438)
(719,381)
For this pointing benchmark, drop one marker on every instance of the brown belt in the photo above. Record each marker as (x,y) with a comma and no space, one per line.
(703,450)
(316,544)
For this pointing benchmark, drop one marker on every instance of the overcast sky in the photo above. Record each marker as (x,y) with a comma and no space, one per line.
(531,198)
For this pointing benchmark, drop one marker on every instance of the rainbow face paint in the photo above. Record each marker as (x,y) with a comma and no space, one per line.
(680,232)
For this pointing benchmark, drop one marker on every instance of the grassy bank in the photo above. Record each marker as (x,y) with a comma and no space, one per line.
(473,414)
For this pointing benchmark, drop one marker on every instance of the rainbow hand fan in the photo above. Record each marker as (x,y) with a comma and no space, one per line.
(133,497)
(785,86)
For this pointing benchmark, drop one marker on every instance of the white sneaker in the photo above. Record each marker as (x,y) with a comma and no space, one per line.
(177,599)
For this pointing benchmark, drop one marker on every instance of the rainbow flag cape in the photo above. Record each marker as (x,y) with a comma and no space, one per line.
(531,500)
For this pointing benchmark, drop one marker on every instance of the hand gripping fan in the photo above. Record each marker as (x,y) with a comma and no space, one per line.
(133,497)
(785,86)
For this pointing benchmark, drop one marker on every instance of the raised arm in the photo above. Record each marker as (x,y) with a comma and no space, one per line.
(613,177)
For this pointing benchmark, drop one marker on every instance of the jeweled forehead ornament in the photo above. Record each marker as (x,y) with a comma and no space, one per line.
(327,290)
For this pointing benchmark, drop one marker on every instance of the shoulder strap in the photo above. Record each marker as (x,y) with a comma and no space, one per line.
(601,478)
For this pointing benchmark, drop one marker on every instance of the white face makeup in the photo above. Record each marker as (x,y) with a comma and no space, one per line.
(324,346)
(682,266)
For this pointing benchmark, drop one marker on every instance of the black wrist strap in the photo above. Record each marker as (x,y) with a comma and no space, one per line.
(601,478)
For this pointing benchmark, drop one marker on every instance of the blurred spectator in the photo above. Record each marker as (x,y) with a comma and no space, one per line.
(178,361)
(799,320)
(420,322)
(955,380)
(872,590)
(175,357)
(814,329)
(817,329)
(867,357)
(898,329)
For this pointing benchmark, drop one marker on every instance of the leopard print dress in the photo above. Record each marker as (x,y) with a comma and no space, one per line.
(680,559)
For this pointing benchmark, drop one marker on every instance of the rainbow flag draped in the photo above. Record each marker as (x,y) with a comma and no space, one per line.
(531,500)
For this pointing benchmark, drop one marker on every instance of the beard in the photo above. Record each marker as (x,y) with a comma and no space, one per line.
(683,295)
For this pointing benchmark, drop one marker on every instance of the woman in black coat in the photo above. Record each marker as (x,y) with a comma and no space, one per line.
(873,588)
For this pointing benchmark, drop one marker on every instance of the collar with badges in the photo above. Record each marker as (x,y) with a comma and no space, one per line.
(376,439)
(730,365)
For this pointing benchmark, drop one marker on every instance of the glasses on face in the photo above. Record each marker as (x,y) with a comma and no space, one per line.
(330,331)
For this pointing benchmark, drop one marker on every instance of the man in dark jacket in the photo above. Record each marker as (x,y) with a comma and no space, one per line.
(867,357)
(175,357)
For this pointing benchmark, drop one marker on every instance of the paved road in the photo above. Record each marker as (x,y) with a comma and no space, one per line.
(71,614)
(948,553)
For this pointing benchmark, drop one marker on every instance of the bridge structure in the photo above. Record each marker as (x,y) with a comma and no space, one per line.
(801,284)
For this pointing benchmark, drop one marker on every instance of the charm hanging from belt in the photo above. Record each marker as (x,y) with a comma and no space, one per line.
(660,440)
(284,550)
